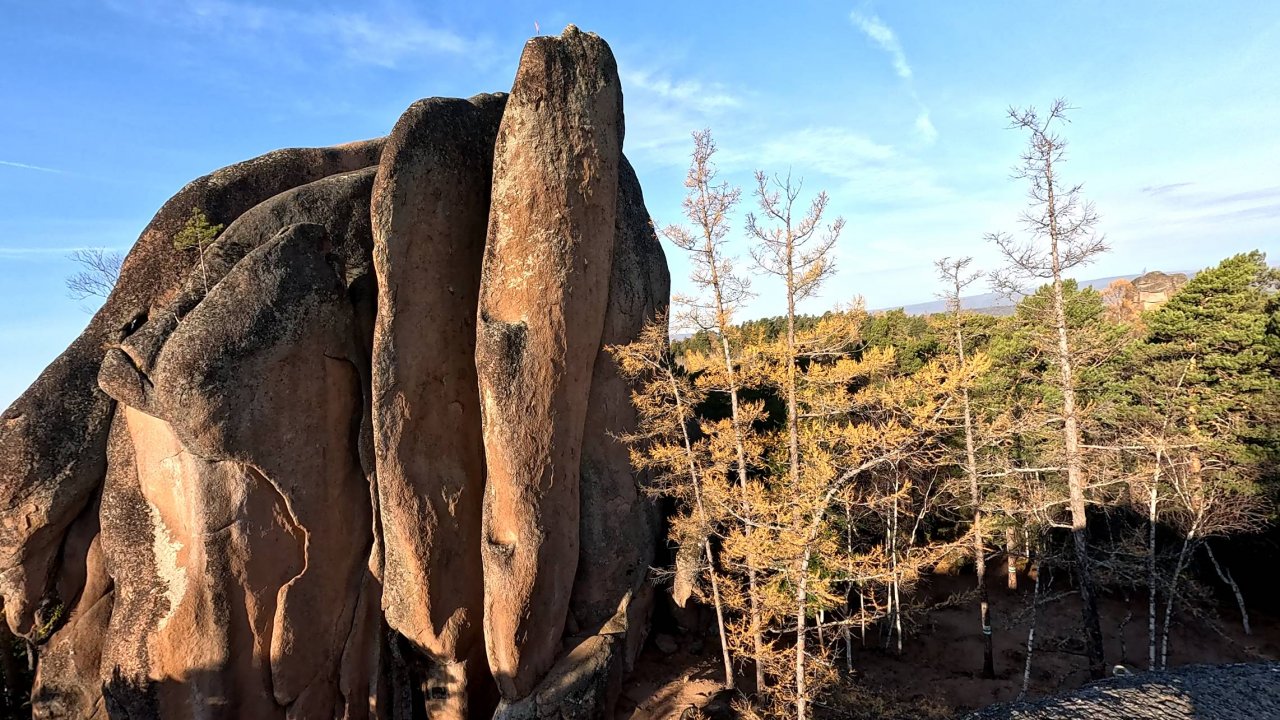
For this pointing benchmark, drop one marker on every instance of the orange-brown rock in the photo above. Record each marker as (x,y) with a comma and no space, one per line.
(238,581)
(53,438)
(618,523)
(431,210)
(543,295)
(614,557)
(359,457)
(1155,288)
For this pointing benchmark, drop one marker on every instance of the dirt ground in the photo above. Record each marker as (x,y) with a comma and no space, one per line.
(942,656)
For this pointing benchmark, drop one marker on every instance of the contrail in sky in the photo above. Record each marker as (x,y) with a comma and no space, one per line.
(25,166)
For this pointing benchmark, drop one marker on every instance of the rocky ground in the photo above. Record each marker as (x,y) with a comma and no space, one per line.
(937,674)
(1202,692)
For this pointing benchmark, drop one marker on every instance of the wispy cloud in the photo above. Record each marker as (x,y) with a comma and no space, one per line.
(925,127)
(886,39)
(690,93)
(854,167)
(382,34)
(884,36)
(25,166)
(1247,196)
(663,109)
(1164,189)
(833,151)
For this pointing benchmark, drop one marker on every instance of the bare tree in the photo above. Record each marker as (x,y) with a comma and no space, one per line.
(1061,232)
(99,270)
(957,276)
(793,248)
(707,205)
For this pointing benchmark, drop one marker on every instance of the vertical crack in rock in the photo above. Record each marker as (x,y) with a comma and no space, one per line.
(431,208)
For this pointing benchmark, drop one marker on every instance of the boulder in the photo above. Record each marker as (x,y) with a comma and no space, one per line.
(431,210)
(543,295)
(249,594)
(53,438)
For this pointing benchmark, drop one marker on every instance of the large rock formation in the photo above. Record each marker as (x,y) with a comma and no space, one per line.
(1154,288)
(359,456)
(543,293)
(53,446)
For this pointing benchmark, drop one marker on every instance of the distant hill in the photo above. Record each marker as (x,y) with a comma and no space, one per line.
(992,303)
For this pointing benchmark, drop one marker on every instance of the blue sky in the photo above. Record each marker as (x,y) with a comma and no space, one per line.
(107,107)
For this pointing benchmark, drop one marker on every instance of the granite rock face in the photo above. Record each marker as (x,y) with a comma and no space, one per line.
(431,210)
(357,458)
(544,289)
(54,437)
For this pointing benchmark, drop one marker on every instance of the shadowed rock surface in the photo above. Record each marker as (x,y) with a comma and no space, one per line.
(256,485)
(1195,692)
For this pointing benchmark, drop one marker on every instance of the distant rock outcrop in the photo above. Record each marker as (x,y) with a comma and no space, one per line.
(363,460)
(1155,288)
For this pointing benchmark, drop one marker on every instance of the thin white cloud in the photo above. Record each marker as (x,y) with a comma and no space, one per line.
(925,127)
(833,151)
(689,93)
(887,40)
(25,166)
(663,110)
(382,34)
(884,36)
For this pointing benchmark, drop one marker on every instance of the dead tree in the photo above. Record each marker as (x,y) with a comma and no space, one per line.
(1060,226)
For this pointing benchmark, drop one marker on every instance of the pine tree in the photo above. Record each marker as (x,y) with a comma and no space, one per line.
(1201,407)
(665,445)
(957,277)
(796,249)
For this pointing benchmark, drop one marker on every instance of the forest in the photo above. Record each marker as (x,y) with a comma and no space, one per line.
(821,466)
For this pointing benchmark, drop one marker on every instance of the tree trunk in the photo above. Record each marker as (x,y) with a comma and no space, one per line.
(1076,488)
(1071,436)
(1031,633)
(706,543)
(1011,558)
(848,540)
(753,597)
(979,547)
(862,616)
(1235,589)
(715,596)
(802,599)
(1173,596)
(1153,580)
